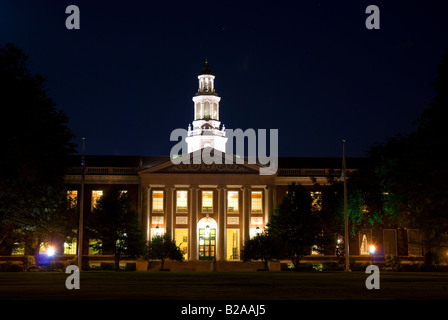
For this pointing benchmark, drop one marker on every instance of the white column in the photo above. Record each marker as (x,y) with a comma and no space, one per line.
(221,222)
(148,213)
(246,213)
(169,190)
(268,202)
(143,212)
(193,242)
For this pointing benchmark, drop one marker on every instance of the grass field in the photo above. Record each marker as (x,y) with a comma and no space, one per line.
(223,286)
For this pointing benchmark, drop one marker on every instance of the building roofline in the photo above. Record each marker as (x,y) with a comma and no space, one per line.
(138,161)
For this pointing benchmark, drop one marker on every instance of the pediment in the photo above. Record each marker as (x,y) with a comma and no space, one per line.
(208,168)
(195,163)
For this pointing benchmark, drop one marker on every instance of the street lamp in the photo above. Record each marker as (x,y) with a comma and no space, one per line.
(372,251)
(50,253)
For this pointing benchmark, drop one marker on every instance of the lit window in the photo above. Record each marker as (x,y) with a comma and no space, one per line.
(316,200)
(315,250)
(232,201)
(207,201)
(95,246)
(207,243)
(18,248)
(364,245)
(181,201)
(72,197)
(207,110)
(198,111)
(157,201)
(96,195)
(70,248)
(182,241)
(253,232)
(233,244)
(157,232)
(256,201)
(215,111)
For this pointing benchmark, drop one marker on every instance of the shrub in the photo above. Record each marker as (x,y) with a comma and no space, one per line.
(11,267)
(29,263)
(107,266)
(331,266)
(393,262)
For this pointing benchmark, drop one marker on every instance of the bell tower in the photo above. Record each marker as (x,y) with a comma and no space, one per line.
(206,131)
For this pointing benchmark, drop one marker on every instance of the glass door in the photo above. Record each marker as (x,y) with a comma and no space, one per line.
(207,243)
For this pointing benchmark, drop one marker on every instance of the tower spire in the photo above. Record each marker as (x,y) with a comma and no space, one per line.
(206,68)
(206,130)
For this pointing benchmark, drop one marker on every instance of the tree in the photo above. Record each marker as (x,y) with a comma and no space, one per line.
(296,223)
(370,204)
(62,224)
(331,215)
(116,227)
(36,144)
(412,171)
(263,247)
(163,247)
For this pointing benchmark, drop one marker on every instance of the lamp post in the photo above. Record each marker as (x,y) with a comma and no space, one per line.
(50,253)
(346,239)
(81,206)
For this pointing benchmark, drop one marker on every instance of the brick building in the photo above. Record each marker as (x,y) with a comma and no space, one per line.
(211,209)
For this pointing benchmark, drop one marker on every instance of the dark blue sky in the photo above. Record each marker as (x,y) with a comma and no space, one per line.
(310,69)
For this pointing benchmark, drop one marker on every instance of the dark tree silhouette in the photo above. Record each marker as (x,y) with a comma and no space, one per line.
(116,226)
(297,224)
(263,247)
(36,143)
(412,171)
(162,247)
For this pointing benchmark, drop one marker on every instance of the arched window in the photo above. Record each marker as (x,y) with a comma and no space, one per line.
(215,111)
(198,111)
(207,110)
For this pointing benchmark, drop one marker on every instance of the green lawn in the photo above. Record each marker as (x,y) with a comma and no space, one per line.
(223,286)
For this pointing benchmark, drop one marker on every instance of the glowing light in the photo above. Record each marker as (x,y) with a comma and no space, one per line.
(372,249)
(50,251)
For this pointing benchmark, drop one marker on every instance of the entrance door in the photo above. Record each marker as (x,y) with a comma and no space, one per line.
(207,243)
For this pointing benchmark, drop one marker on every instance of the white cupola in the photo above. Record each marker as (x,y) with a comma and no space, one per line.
(206,131)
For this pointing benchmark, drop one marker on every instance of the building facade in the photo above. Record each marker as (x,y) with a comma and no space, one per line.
(211,209)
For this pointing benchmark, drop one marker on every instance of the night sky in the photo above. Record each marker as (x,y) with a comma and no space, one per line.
(310,69)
